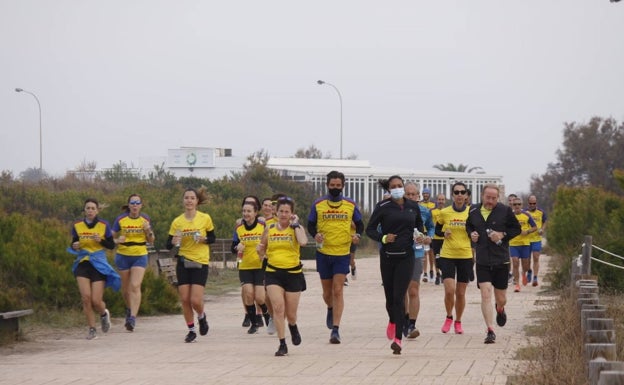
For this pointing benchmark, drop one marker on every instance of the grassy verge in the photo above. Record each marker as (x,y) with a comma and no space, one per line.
(559,356)
(221,281)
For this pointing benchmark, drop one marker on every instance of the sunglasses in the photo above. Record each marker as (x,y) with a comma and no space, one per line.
(285,199)
(134,202)
(532,203)
(457,192)
(517,204)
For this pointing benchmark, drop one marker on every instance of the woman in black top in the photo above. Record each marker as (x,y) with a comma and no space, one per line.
(392,224)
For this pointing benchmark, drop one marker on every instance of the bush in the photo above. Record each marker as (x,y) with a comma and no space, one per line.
(587,211)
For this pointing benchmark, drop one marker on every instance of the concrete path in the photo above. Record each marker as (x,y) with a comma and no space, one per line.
(156,354)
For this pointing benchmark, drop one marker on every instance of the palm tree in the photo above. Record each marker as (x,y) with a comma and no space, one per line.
(459,168)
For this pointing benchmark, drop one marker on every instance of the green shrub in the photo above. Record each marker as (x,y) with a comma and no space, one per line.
(587,211)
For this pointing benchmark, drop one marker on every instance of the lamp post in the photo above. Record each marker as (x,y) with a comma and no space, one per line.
(40,132)
(321,82)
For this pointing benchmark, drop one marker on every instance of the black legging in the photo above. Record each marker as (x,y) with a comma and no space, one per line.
(396,274)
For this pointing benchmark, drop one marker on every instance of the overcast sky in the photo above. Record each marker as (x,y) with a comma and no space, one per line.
(485,83)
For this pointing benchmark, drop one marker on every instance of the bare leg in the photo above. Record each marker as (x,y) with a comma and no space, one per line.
(460,300)
(134,289)
(84,286)
(276,295)
(449,296)
(486,304)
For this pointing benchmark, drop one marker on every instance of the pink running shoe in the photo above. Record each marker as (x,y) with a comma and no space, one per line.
(458,328)
(390,331)
(396,346)
(447,325)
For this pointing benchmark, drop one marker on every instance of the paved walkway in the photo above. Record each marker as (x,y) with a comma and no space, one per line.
(156,354)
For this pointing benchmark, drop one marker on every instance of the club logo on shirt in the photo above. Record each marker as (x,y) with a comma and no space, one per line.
(333,215)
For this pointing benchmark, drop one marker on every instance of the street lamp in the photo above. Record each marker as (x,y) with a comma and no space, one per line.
(40,132)
(320,82)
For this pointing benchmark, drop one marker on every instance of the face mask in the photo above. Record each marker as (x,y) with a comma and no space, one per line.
(335,192)
(397,193)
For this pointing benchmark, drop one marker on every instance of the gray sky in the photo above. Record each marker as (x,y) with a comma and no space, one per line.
(484,83)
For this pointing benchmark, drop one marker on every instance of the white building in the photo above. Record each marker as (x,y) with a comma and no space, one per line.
(360,176)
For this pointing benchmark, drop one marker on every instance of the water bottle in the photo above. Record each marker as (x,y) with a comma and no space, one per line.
(417,234)
(196,236)
(319,245)
(178,234)
(489,231)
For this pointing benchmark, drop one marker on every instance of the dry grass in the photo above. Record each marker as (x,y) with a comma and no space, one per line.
(559,357)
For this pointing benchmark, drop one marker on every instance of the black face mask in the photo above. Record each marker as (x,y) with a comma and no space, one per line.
(335,192)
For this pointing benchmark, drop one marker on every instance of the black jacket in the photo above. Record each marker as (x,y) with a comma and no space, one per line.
(396,219)
(501,219)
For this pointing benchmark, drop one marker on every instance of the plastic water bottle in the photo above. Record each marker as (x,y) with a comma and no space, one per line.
(319,245)
(416,235)
(489,231)
(178,234)
(196,236)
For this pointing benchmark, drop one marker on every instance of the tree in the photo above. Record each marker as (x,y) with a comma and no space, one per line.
(459,168)
(309,153)
(86,170)
(160,176)
(591,153)
(260,157)
(33,174)
(121,173)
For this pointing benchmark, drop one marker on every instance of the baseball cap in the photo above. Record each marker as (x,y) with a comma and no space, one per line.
(426,190)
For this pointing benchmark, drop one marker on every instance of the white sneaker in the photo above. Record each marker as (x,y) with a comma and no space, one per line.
(271,327)
(106,324)
(92,334)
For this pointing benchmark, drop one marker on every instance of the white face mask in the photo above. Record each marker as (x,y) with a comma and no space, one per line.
(397,193)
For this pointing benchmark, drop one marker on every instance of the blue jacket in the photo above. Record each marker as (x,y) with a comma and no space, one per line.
(99,261)
(427,219)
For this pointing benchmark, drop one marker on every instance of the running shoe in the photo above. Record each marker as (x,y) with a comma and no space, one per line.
(271,327)
(334,338)
(130,322)
(447,325)
(524,279)
(413,332)
(517,288)
(105,320)
(246,321)
(253,329)
(535,281)
(329,320)
(458,327)
(501,317)
(190,337)
(266,317)
(259,322)
(529,276)
(396,346)
(490,338)
(438,280)
(281,351)
(425,278)
(346,282)
(203,325)
(431,275)
(390,330)
(294,334)
(92,334)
